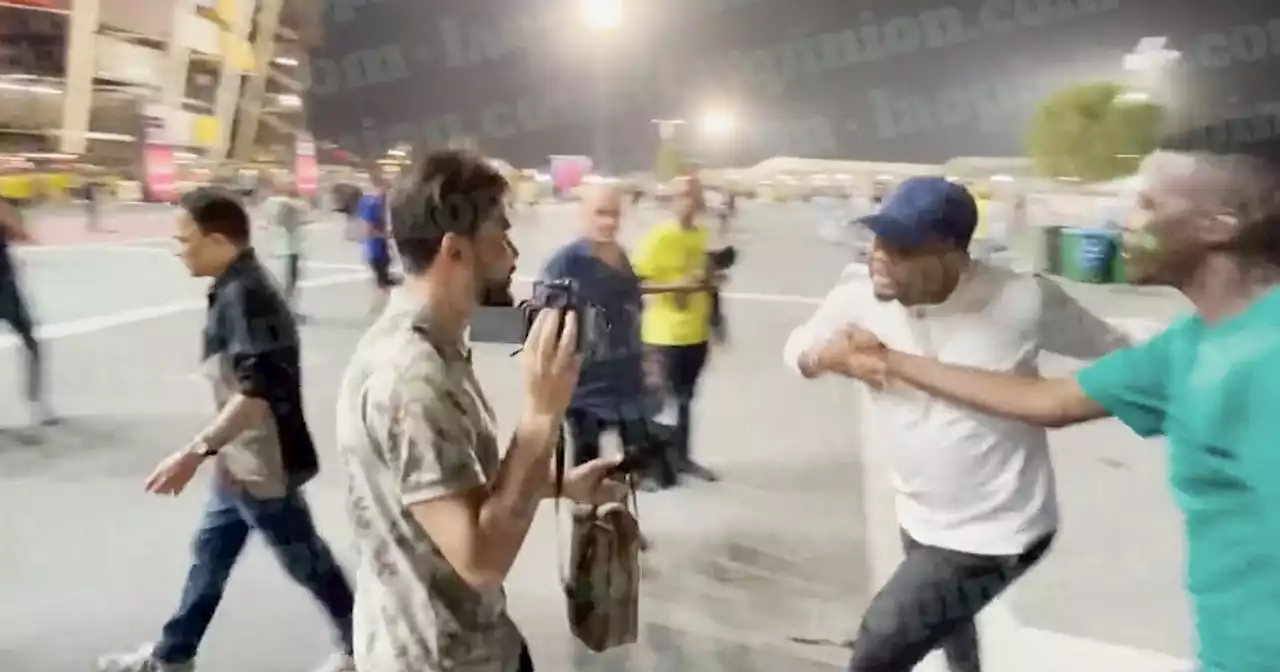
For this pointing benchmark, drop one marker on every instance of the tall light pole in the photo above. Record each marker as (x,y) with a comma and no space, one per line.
(668,160)
(601,17)
(1148,63)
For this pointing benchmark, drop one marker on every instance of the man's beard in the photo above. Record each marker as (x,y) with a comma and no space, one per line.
(496,293)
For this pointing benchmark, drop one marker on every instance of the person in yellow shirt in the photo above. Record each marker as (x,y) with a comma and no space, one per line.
(675,325)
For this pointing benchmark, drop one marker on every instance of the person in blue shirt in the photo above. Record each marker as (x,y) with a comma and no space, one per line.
(377,251)
(611,393)
(1208,224)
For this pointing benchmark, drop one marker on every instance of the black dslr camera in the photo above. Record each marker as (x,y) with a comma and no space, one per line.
(562,294)
(500,319)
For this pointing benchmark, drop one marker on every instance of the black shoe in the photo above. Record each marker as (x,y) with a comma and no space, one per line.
(695,470)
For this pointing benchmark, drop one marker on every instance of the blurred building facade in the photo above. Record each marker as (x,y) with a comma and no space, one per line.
(218,77)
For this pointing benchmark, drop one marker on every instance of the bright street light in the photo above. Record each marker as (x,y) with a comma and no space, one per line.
(602,14)
(717,123)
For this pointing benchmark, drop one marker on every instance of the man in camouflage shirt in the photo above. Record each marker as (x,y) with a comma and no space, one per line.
(439,512)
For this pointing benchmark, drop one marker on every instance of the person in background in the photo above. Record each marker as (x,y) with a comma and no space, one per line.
(259,444)
(611,392)
(287,215)
(675,326)
(14,311)
(720,259)
(1208,224)
(377,249)
(92,206)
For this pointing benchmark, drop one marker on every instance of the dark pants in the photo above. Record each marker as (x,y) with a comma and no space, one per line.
(286,525)
(682,366)
(718,328)
(585,429)
(526,661)
(720,260)
(292,273)
(381,267)
(13,310)
(930,602)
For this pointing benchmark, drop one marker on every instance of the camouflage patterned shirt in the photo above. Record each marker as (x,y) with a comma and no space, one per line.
(413,425)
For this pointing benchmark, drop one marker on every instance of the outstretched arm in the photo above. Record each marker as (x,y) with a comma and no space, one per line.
(1049,402)
(1130,384)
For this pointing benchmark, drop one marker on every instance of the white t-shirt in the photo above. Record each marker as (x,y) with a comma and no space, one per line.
(965,480)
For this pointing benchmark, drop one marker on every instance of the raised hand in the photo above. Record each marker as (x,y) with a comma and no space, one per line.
(551,363)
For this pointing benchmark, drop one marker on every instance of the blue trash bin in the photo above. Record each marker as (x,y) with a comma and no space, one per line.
(1096,251)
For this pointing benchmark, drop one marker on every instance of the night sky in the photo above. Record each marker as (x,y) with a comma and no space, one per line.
(901,80)
(908,80)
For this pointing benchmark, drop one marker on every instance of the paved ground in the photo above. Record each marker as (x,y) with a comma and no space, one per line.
(791,544)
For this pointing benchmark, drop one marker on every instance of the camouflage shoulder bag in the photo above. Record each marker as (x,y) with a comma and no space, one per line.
(602,580)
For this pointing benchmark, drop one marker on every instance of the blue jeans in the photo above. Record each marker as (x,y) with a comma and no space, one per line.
(286,525)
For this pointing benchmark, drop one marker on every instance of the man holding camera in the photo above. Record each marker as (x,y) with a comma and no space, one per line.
(440,512)
(611,391)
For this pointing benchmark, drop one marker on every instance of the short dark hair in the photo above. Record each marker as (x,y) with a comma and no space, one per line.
(218,210)
(445,191)
(1246,148)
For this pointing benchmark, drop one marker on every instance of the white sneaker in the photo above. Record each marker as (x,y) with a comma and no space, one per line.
(142,660)
(669,416)
(338,662)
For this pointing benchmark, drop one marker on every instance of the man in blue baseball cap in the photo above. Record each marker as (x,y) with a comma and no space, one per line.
(922,235)
(975,496)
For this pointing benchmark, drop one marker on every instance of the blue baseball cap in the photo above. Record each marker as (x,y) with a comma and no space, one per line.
(924,209)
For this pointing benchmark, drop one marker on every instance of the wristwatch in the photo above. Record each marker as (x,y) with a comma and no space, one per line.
(202,448)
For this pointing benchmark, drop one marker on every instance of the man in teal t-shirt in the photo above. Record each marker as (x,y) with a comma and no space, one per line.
(1214,391)
(1207,223)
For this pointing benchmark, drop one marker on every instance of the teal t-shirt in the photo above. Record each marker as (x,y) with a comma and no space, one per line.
(1214,392)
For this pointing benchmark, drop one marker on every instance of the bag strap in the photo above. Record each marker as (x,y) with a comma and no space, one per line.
(561,567)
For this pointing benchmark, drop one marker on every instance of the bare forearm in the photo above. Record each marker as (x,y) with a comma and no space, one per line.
(1031,399)
(523,481)
(237,416)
